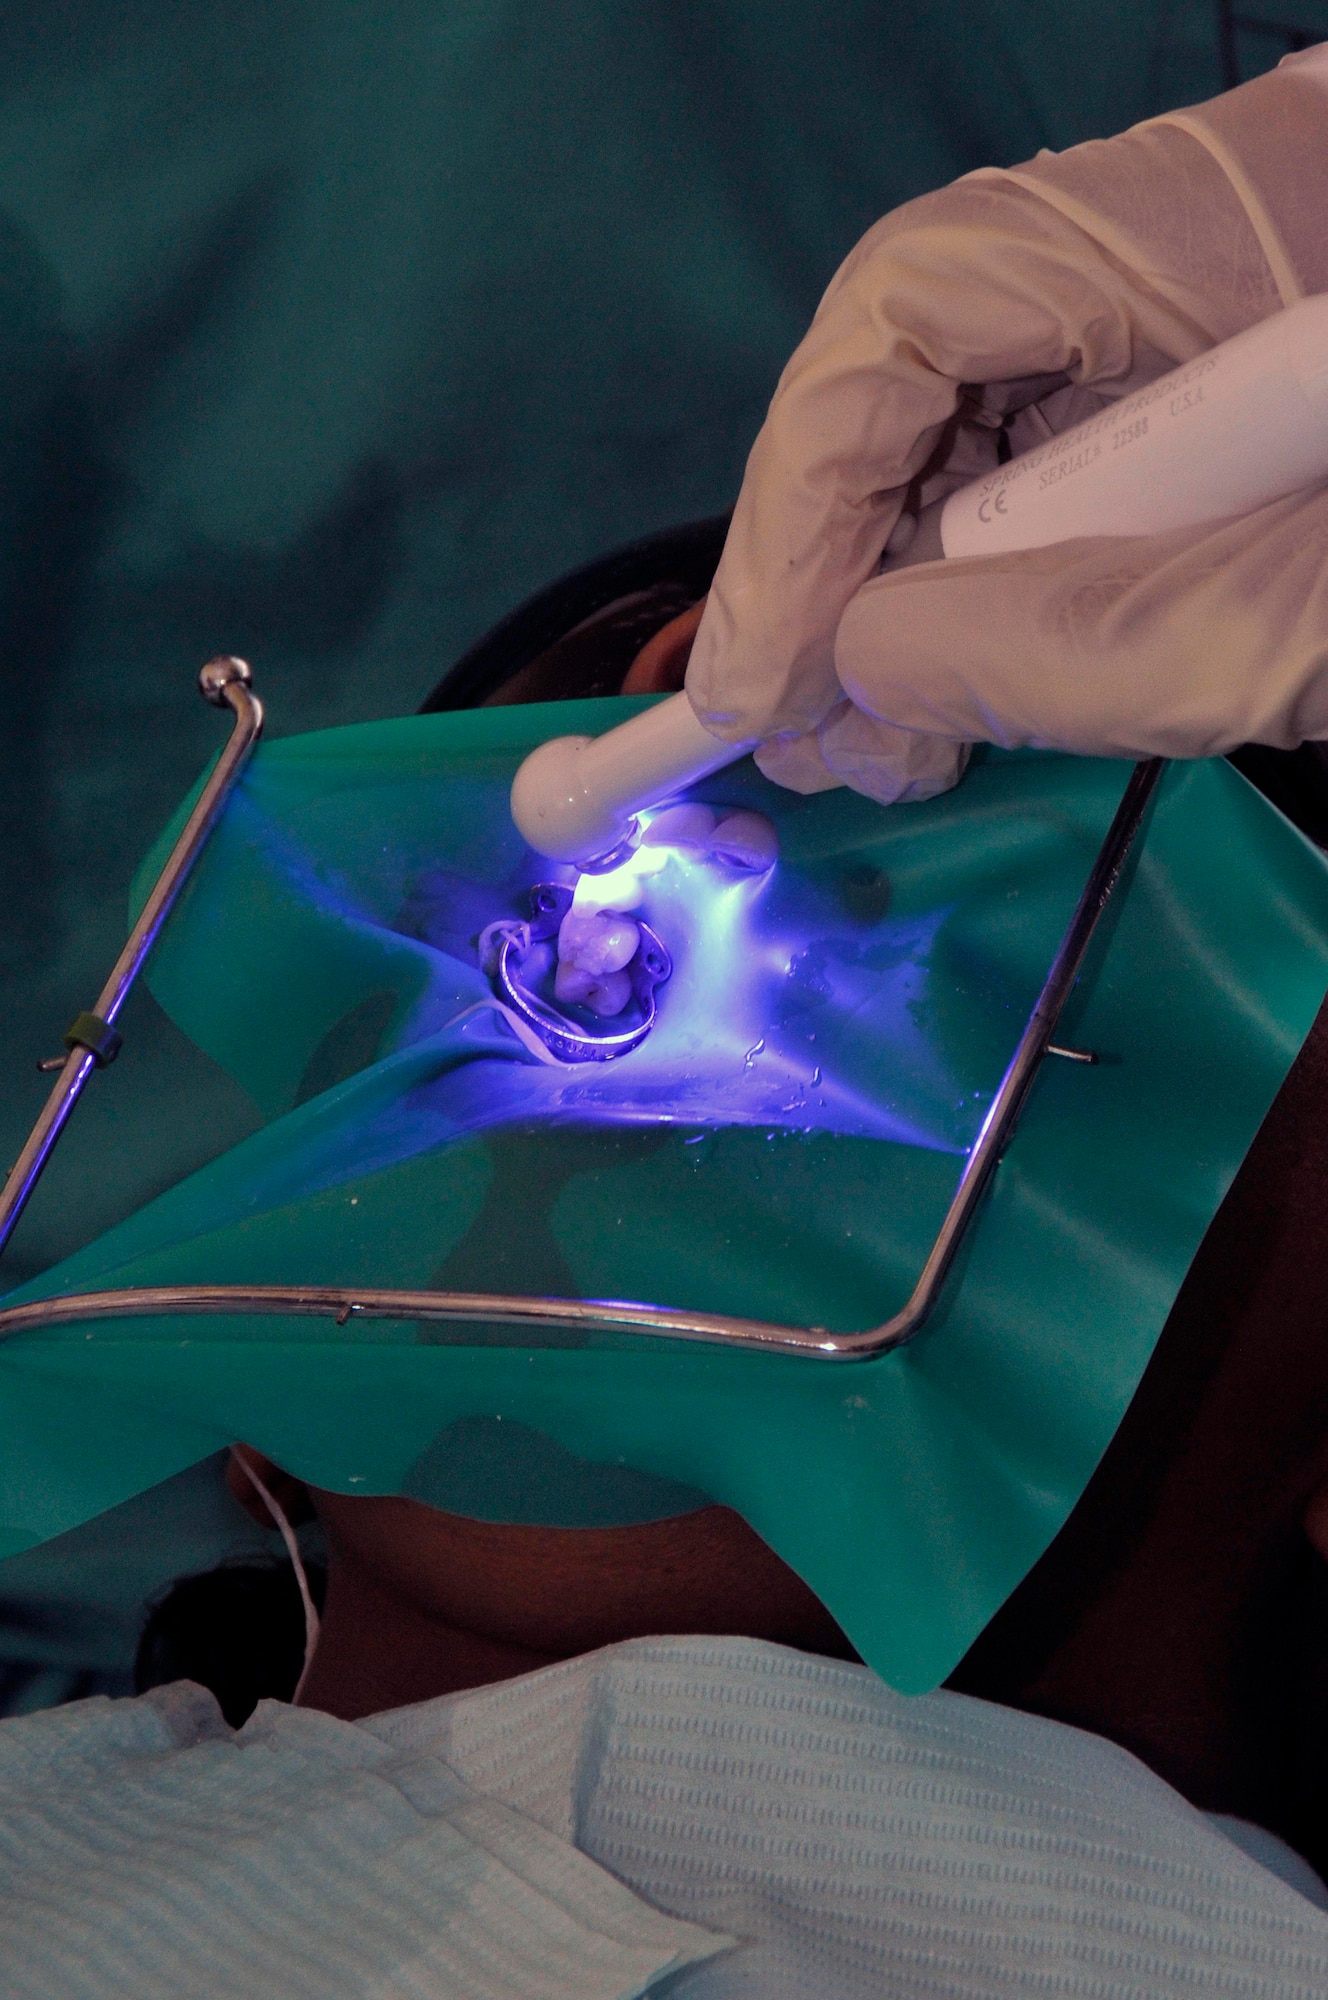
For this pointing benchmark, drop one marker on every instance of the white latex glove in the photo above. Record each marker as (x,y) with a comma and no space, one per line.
(1034,296)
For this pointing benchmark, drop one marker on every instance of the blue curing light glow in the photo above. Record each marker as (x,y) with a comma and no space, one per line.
(786,1009)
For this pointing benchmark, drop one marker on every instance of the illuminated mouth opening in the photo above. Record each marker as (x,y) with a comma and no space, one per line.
(524,958)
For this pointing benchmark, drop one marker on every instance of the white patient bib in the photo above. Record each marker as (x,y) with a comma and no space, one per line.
(149,1852)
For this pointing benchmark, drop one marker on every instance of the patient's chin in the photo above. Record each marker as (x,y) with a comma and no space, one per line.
(561,1591)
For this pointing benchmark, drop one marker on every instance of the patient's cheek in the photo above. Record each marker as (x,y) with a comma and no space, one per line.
(661,665)
(1315,1521)
(560,1591)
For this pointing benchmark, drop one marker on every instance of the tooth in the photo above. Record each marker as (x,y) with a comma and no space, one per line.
(680,826)
(603,942)
(604,993)
(746,840)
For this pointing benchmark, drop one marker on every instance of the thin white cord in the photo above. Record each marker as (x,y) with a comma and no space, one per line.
(524,1034)
(496,934)
(287,1533)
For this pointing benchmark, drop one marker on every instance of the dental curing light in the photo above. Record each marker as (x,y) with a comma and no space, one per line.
(576,798)
(1232,430)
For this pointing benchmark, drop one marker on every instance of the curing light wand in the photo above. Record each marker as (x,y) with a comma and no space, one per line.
(1234,429)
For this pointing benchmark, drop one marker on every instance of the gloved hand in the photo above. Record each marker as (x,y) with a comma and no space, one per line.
(1028,298)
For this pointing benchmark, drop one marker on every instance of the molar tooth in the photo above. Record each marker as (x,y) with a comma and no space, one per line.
(605,993)
(604,941)
(746,840)
(687,825)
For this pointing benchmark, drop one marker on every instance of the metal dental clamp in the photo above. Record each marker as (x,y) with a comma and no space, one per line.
(649,967)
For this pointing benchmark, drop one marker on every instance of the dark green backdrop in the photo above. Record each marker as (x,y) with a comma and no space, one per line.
(328,330)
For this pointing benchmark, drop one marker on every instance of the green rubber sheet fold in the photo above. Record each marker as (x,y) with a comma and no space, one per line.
(784,1146)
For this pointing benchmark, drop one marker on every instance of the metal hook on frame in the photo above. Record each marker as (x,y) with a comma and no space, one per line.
(93,1039)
